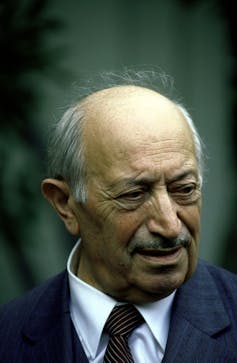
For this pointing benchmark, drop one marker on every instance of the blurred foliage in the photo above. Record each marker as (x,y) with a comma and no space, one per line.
(23,28)
(226,9)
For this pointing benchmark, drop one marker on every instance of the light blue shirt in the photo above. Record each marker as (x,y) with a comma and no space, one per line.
(90,309)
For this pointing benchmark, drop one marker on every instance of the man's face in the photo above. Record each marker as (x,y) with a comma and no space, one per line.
(140,223)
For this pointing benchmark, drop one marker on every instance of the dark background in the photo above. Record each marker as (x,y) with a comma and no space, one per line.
(46,47)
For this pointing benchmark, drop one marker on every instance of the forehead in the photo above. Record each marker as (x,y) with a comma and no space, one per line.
(126,106)
(134,125)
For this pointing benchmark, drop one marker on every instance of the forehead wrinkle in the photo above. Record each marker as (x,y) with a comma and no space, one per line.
(178,153)
(170,145)
(153,178)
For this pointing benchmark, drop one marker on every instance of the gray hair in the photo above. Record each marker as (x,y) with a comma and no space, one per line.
(66,159)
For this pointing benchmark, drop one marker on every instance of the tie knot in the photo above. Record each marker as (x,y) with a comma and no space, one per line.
(123,320)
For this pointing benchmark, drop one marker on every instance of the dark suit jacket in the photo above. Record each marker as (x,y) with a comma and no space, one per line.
(37,328)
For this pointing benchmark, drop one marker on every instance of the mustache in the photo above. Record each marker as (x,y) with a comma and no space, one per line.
(161,243)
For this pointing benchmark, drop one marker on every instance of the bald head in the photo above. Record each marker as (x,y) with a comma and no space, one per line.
(123,120)
(116,114)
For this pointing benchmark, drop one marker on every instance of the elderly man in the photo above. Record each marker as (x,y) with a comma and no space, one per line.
(126,175)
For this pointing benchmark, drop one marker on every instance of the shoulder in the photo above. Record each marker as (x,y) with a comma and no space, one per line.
(52,283)
(204,313)
(224,279)
(210,286)
(16,312)
(26,322)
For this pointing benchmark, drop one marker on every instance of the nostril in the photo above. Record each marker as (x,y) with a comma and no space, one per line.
(168,229)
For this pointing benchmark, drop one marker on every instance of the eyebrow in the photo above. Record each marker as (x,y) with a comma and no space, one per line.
(185,174)
(126,182)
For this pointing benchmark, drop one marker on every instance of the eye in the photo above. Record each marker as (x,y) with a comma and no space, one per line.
(185,193)
(133,195)
(187,189)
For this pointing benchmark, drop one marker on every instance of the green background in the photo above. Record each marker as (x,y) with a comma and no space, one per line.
(47,47)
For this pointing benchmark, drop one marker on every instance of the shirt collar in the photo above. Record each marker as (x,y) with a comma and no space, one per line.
(89,307)
(93,307)
(157,316)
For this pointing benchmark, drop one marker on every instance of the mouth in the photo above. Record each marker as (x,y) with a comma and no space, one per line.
(167,255)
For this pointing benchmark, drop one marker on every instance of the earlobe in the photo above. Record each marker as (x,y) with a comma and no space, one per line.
(58,193)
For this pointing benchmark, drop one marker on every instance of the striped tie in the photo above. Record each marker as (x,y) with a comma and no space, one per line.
(121,322)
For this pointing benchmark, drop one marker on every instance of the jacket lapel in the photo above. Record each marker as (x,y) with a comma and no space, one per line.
(198,316)
(186,344)
(49,331)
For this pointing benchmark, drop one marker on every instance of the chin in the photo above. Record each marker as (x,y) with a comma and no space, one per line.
(151,292)
(163,285)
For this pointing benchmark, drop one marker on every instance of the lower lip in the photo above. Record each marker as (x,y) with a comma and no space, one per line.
(170,258)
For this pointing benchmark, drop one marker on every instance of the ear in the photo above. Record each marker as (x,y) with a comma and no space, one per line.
(58,193)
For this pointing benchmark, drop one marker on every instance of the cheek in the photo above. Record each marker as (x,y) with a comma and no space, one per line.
(193,224)
(191,218)
(125,226)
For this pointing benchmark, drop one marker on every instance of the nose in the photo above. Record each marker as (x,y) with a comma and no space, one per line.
(163,216)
